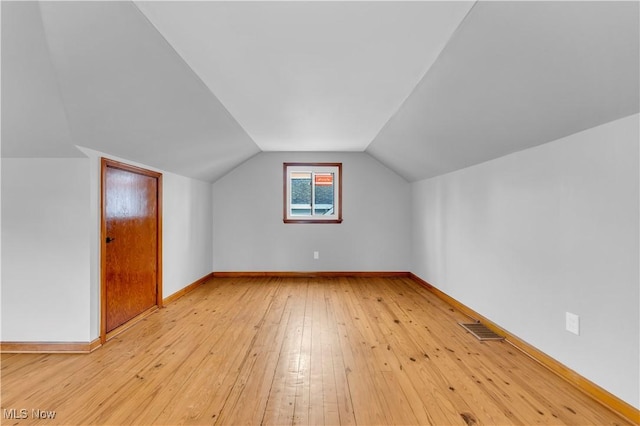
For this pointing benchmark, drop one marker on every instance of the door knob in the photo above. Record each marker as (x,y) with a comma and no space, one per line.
(109,239)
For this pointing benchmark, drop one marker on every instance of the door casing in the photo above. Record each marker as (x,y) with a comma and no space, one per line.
(105,164)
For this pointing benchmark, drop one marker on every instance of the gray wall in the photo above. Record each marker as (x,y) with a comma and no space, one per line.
(527,237)
(249,234)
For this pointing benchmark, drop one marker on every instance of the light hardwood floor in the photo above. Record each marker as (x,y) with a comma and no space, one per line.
(297,351)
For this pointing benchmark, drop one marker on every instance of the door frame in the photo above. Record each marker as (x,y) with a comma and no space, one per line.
(106,163)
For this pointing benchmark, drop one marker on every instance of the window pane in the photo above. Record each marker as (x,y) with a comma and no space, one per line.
(312,192)
(300,194)
(324,188)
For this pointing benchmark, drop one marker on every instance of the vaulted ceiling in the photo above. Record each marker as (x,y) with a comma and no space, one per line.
(196,88)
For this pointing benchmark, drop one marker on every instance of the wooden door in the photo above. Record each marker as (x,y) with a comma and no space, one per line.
(131,243)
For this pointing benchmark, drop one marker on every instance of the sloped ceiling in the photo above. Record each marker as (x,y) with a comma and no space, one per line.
(309,76)
(516,75)
(198,87)
(125,91)
(30,92)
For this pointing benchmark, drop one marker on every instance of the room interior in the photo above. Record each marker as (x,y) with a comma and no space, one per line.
(490,149)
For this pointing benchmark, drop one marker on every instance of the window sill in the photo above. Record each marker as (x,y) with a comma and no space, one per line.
(312,220)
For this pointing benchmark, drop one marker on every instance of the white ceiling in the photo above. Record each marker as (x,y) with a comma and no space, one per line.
(516,75)
(305,76)
(30,91)
(196,88)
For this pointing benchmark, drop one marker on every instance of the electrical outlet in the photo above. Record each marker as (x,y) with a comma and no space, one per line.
(573,323)
(316,255)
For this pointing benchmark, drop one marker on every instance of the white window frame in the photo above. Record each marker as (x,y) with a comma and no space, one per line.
(313,168)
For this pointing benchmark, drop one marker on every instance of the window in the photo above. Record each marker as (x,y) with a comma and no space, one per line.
(312,192)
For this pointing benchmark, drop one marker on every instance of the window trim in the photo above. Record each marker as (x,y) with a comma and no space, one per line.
(310,219)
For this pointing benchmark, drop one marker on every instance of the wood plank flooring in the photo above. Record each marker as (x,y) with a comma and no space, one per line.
(367,351)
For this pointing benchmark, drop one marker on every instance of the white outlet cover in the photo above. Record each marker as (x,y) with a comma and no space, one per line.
(573,323)
(316,255)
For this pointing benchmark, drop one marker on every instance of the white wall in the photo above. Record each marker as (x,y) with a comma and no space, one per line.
(45,250)
(249,234)
(50,245)
(187,231)
(186,226)
(527,237)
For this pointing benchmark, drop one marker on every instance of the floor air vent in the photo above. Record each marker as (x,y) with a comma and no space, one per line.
(481,331)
